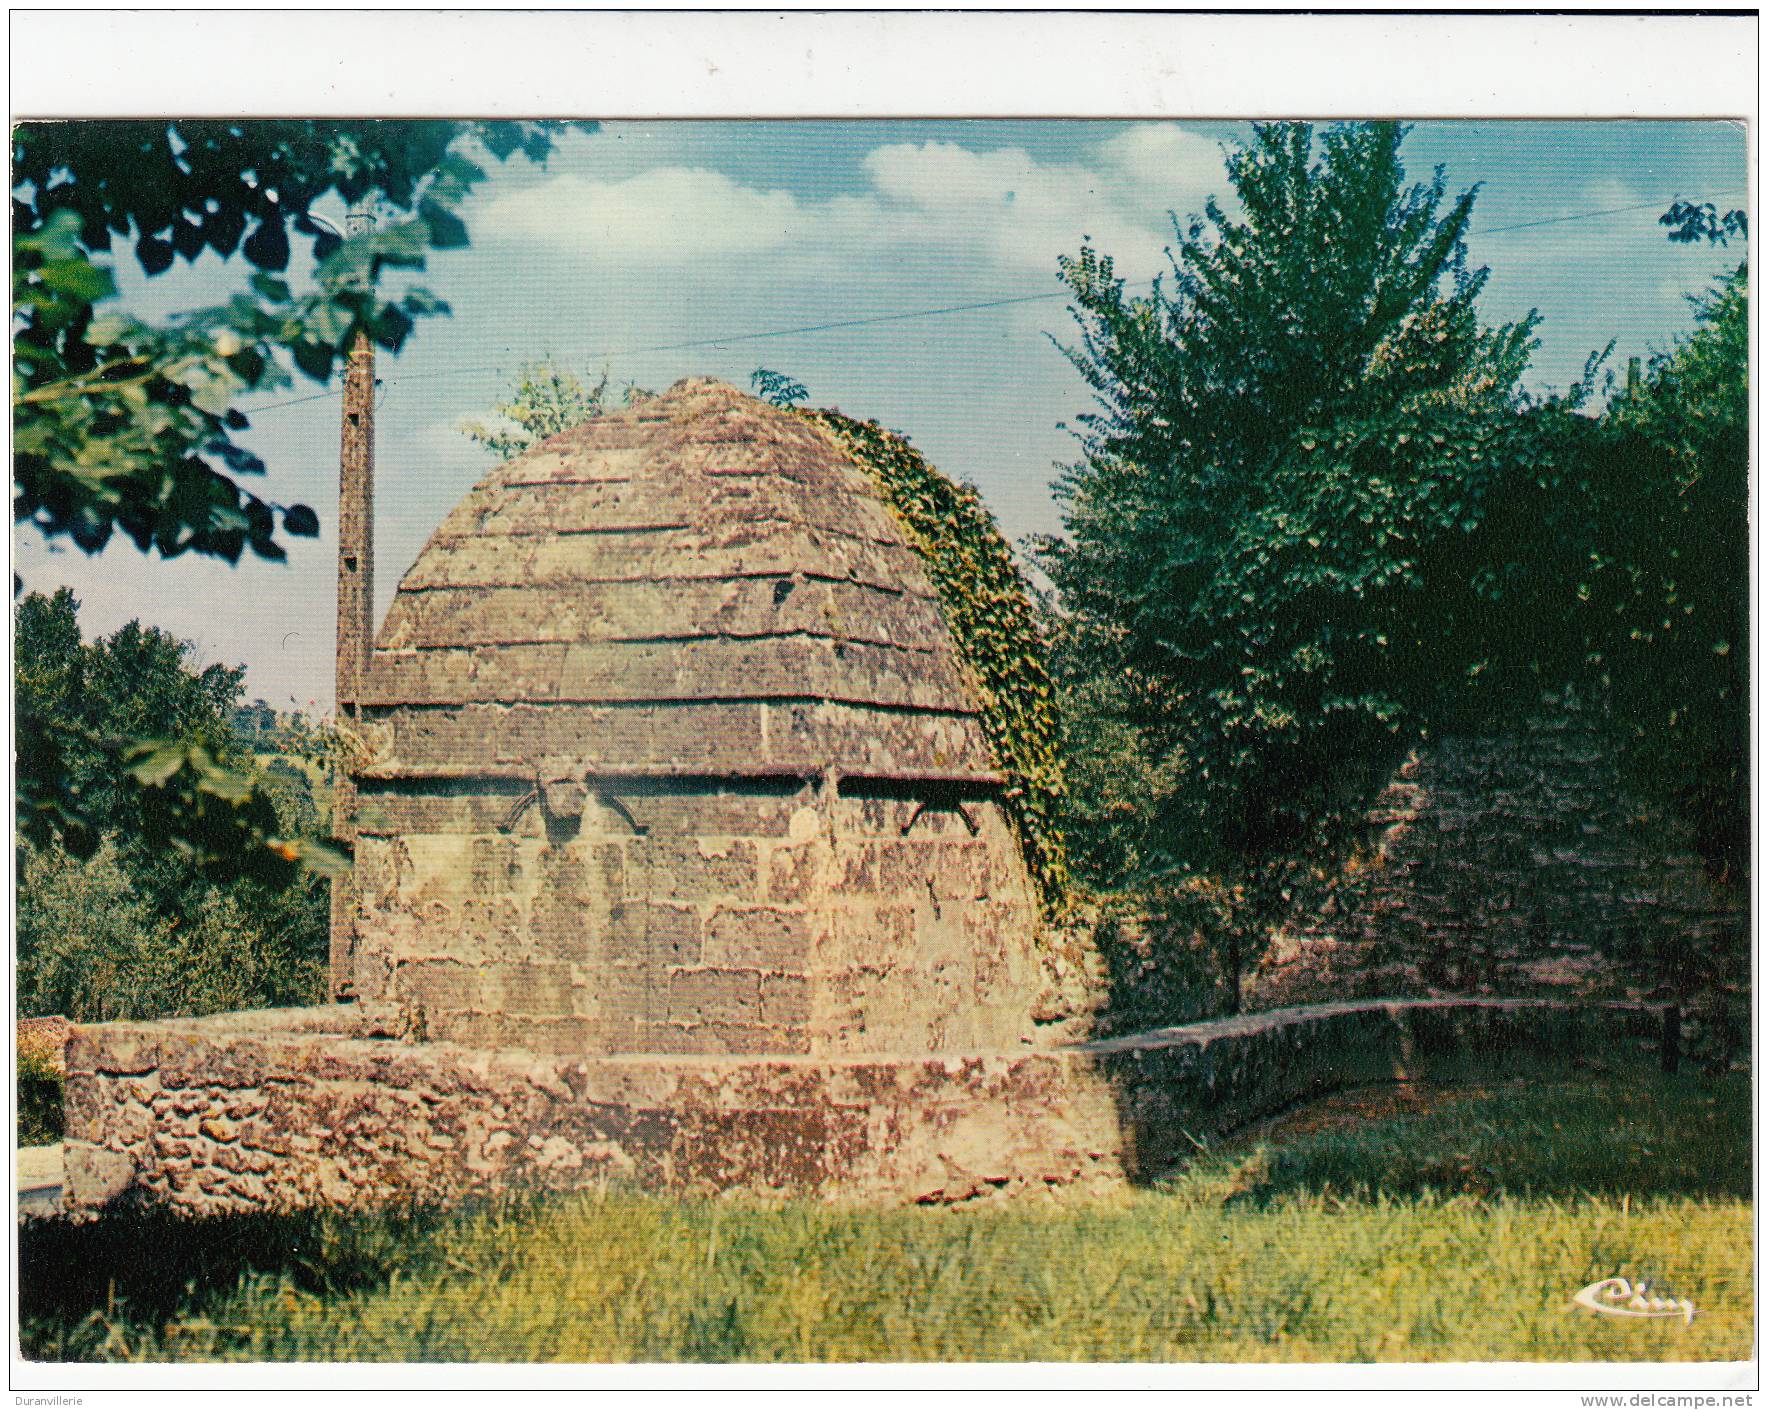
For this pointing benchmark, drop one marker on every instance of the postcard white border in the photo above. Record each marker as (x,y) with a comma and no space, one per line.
(94,62)
(876,63)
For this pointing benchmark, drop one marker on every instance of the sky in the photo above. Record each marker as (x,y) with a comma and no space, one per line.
(645,235)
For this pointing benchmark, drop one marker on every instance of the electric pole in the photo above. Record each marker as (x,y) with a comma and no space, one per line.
(355,608)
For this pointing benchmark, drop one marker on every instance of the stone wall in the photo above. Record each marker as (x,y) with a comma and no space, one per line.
(697,917)
(1518,864)
(297,1108)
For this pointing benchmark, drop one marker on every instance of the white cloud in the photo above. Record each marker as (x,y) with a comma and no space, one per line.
(1166,166)
(1001,209)
(1017,212)
(664,216)
(1611,193)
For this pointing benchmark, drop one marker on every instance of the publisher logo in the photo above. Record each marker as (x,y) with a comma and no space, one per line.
(1617,1297)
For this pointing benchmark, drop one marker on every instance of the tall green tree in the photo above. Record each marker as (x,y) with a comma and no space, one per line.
(148,920)
(1272,533)
(125,424)
(1665,585)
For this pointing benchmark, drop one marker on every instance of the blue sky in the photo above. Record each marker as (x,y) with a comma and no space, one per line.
(645,234)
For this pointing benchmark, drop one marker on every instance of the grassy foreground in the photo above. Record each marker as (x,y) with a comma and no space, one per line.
(1382,1225)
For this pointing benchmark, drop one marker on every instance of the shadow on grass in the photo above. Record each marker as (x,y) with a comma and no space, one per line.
(142,1285)
(1654,1137)
(78,1280)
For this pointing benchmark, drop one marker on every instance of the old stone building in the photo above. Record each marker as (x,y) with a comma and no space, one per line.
(673,752)
(682,861)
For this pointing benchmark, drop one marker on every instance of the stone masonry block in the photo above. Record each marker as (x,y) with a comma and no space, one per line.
(713,815)
(785,1000)
(625,993)
(563,928)
(792,873)
(443,984)
(651,933)
(959,870)
(494,866)
(855,869)
(861,933)
(606,866)
(717,1038)
(715,996)
(693,869)
(532,989)
(758,937)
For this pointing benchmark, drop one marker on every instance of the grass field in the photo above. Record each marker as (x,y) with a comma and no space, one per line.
(1389,1224)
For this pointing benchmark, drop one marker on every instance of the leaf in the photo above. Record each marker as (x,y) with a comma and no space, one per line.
(154,254)
(329,322)
(222,228)
(268,245)
(301,521)
(154,762)
(447,230)
(268,286)
(109,328)
(315,359)
(78,279)
(57,238)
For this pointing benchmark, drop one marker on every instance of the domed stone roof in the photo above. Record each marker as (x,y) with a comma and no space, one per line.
(698,585)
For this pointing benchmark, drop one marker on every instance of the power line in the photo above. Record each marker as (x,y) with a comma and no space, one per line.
(293,401)
(709,342)
(1561,219)
(891,317)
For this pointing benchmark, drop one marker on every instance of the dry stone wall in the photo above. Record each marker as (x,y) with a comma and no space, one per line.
(1518,864)
(298,1108)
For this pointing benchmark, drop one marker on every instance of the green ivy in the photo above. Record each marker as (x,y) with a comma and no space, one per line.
(989,612)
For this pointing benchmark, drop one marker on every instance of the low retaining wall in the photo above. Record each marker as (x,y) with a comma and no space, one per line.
(294,1108)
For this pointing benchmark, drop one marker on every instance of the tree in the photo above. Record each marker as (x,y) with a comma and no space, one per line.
(1692,221)
(1274,533)
(1119,779)
(547,398)
(777,387)
(1665,586)
(189,789)
(125,425)
(1629,575)
(142,922)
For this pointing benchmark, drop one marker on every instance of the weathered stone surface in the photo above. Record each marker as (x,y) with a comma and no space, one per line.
(1519,864)
(759,937)
(715,996)
(641,557)
(780,667)
(254,1111)
(737,608)
(691,737)
(663,702)
(95,1176)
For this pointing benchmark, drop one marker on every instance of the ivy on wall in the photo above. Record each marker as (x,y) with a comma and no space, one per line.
(989,612)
